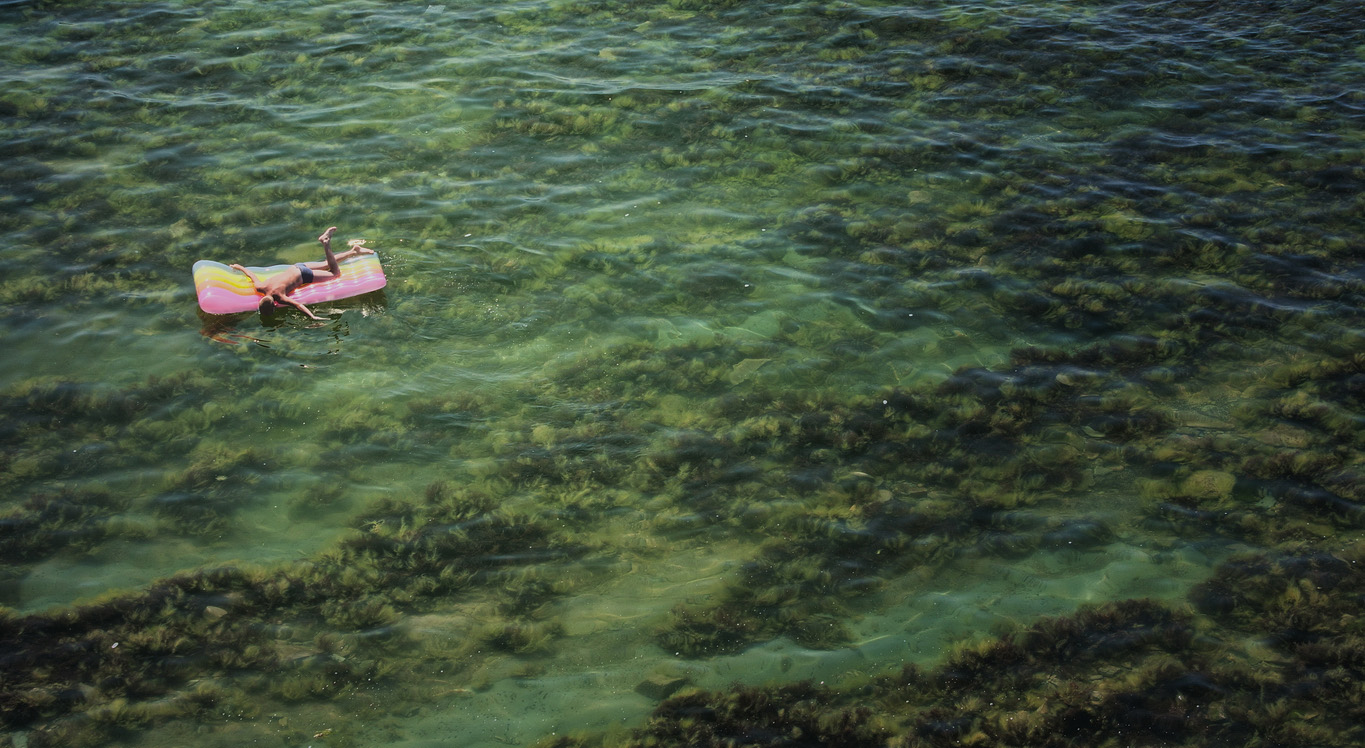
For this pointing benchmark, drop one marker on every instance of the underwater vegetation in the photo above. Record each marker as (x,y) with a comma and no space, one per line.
(857,294)
(47,523)
(206,640)
(61,435)
(1132,671)
(838,496)
(1291,474)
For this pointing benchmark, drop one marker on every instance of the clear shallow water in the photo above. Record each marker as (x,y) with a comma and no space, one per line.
(775,341)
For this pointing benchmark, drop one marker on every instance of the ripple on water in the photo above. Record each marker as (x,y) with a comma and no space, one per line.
(817,340)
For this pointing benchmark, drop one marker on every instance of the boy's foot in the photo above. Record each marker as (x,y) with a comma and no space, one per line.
(326,237)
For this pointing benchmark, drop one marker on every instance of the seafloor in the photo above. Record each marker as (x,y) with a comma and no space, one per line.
(750,374)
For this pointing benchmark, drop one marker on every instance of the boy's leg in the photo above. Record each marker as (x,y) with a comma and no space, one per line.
(326,240)
(330,268)
(344,256)
(357,248)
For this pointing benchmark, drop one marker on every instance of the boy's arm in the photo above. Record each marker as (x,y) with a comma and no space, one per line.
(299,305)
(254,280)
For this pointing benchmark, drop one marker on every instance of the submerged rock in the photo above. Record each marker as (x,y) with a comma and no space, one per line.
(659,686)
(1209,484)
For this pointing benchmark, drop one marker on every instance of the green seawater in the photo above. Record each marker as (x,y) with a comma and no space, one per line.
(723,343)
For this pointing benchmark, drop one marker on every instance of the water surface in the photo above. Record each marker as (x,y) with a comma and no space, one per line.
(724,343)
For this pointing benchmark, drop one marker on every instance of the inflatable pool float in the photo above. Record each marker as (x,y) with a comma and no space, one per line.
(223,290)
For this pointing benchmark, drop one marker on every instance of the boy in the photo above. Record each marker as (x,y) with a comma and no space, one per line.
(276,290)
